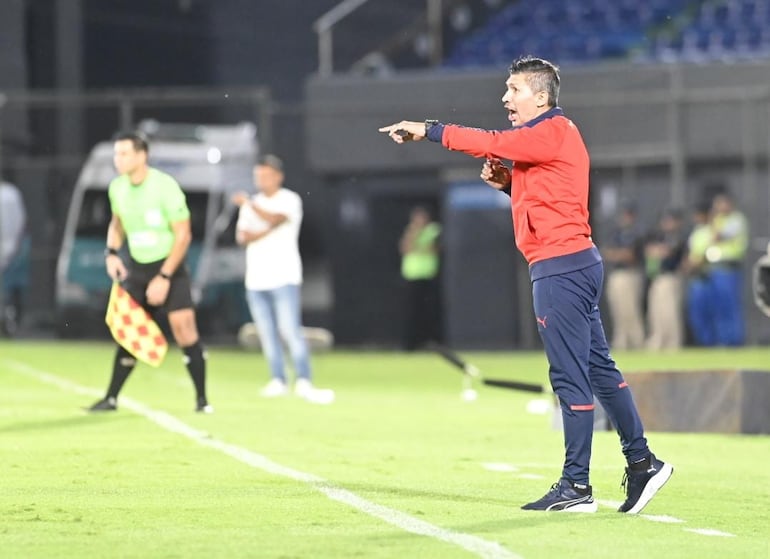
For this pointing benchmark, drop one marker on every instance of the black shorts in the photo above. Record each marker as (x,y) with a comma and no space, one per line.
(179,292)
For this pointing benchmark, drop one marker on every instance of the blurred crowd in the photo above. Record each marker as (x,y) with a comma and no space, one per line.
(679,282)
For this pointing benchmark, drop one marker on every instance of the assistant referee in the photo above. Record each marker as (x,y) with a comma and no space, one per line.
(150,213)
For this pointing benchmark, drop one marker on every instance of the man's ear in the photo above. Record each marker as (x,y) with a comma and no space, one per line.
(541,98)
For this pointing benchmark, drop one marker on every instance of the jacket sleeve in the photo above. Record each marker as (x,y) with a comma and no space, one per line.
(527,144)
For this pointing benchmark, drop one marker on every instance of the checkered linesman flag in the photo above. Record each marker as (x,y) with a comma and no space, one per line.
(133,327)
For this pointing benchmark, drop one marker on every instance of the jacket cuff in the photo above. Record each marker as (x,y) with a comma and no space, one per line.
(436,133)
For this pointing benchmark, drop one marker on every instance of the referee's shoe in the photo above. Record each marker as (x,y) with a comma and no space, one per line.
(642,481)
(565,495)
(108,403)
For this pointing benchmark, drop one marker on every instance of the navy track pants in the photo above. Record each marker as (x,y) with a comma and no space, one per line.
(580,366)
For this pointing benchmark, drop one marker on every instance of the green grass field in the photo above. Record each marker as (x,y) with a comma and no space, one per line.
(398,466)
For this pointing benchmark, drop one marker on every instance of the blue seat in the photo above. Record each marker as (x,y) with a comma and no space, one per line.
(588,30)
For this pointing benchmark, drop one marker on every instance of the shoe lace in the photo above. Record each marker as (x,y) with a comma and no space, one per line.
(624,481)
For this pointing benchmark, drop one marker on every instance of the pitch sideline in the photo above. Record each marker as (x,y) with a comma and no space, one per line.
(478,546)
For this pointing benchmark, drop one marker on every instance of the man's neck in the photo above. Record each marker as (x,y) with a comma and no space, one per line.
(138,175)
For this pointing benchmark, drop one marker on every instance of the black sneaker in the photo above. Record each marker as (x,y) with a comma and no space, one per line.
(566,496)
(641,485)
(105,404)
(203,406)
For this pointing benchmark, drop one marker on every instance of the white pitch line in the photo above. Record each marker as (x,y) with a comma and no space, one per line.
(669,520)
(709,532)
(499,467)
(663,518)
(503,467)
(478,546)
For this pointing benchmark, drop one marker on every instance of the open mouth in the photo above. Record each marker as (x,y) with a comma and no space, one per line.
(512,115)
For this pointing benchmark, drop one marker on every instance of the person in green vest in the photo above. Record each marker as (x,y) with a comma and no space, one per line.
(725,257)
(420,263)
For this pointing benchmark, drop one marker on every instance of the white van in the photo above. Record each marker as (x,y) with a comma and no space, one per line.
(210,162)
(14,258)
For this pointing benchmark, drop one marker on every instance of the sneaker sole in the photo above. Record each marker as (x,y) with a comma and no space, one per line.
(582,507)
(653,486)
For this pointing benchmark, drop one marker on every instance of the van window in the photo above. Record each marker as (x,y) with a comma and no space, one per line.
(226,237)
(95,213)
(198,203)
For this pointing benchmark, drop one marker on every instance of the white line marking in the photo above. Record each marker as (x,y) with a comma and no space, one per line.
(504,467)
(478,546)
(669,520)
(709,532)
(539,406)
(499,467)
(663,518)
(611,504)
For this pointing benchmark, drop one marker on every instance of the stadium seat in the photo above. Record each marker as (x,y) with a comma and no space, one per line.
(593,30)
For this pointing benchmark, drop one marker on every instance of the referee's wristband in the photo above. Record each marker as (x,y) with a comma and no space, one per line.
(110,252)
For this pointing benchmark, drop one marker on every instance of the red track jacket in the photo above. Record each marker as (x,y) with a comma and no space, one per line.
(549,184)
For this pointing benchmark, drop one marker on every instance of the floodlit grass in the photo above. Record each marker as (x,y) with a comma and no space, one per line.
(398,436)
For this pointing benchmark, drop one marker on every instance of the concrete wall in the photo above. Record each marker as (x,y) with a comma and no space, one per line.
(627,113)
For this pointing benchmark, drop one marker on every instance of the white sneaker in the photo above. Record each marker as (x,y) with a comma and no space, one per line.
(274,389)
(305,389)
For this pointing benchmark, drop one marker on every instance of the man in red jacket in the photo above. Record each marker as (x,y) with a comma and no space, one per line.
(548,185)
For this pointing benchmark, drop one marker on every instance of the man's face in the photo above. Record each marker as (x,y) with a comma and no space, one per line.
(670,223)
(126,158)
(267,179)
(722,205)
(522,103)
(420,216)
(627,218)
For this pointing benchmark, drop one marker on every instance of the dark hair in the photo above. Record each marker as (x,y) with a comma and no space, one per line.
(271,160)
(629,207)
(674,213)
(702,207)
(138,139)
(543,76)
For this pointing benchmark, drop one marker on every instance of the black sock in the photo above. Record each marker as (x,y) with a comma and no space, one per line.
(195,360)
(123,365)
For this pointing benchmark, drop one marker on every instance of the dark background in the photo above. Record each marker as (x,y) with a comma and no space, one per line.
(658,133)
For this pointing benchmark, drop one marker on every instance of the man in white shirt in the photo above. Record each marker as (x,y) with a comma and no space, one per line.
(268,226)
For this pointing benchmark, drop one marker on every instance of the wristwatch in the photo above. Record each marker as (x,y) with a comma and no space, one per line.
(429,123)
(164,275)
(110,251)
